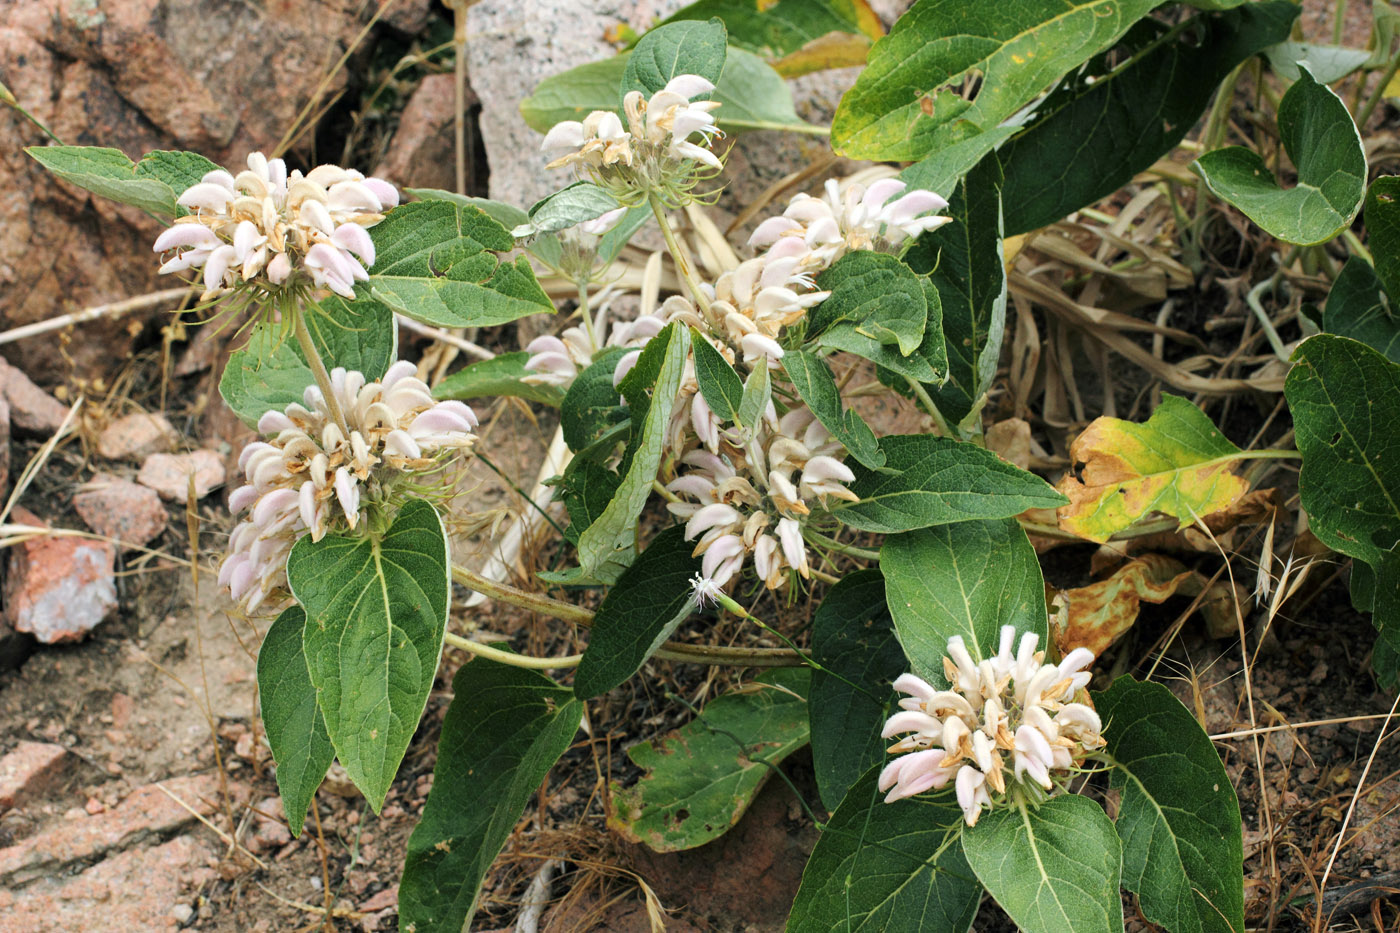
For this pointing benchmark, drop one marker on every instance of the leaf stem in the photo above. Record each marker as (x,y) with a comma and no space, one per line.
(931,407)
(682,263)
(510,657)
(318,367)
(850,550)
(1379,92)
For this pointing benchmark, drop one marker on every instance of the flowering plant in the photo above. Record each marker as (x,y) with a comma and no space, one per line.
(715,456)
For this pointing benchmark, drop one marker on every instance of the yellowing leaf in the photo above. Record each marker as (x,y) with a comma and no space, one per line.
(833,50)
(1176,463)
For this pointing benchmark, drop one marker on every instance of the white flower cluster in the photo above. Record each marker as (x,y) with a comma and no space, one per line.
(751,498)
(653,151)
(557,361)
(818,231)
(1010,704)
(277,229)
(313,477)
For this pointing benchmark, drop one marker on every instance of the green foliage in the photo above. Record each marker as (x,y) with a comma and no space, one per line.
(1178,818)
(435,262)
(376,610)
(567,207)
(591,406)
(797,35)
(931,480)
(910,99)
(968,579)
(1105,124)
(853,640)
(1383,226)
(152,184)
(1327,63)
(1358,307)
(505,729)
(1320,138)
(1052,868)
(643,609)
(816,386)
(681,48)
(701,778)
(296,731)
(876,301)
(888,868)
(502,375)
(719,383)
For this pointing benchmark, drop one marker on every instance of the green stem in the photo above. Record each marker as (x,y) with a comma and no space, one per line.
(6,97)
(1378,93)
(510,657)
(682,264)
(940,422)
(318,368)
(831,544)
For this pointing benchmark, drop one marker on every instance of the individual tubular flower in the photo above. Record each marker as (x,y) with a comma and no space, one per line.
(752,498)
(309,477)
(818,231)
(557,361)
(653,152)
(278,231)
(1007,721)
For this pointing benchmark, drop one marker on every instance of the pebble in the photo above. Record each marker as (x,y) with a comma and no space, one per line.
(168,474)
(58,588)
(117,508)
(135,437)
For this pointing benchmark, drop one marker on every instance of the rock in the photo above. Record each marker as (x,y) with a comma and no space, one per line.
(135,437)
(169,474)
(4,447)
(423,153)
(410,16)
(58,588)
(31,408)
(130,514)
(183,913)
(28,771)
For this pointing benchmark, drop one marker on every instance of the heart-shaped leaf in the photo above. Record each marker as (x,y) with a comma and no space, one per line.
(681,48)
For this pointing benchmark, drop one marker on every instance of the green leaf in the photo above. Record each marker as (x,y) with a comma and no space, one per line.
(758,392)
(909,100)
(942,169)
(586,488)
(964,261)
(968,579)
(615,528)
(376,612)
(816,386)
(887,868)
(434,264)
(1345,401)
(875,296)
(853,640)
(301,748)
(701,778)
(568,207)
(643,609)
(1115,118)
(1177,463)
(507,215)
(270,372)
(934,480)
(1358,307)
(592,406)
(683,48)
(783,28)
(109,173)
(1178,818)
(1054,868)
(178,170)
(1385,606)
(1321,139)
(1328,63)
(719,383)
(1383,229)
(501,375)
(505,729)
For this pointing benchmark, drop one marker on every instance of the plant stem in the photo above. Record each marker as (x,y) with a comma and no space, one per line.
(510,657)
(931,407)
(318,368)
(850,550)
(1378,93)
(535,602)
(682,264)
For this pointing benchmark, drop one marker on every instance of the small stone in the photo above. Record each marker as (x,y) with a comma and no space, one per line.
(122,708)
(169,474)
(94,806)
(386,898)
(136,437)
(117,508)
(183,913)
(28,771)
(58,588)
(31,408)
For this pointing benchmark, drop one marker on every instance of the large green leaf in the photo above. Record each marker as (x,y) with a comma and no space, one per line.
(643,609)
(968,579)
(1054,868)
(874,296)
(1345,401)
(817,387)
(854,642)
(568,207)
(1383,229)
(614,530)
(1385,608)
(1319,136)
(301,748)
(270,372)
(1358,307)
(681,48)
(719,383)
(798,35)
(501,375)
(591,406)
(109,173)
(964,261)
(701,778)
(177,169)
(911,100)
(932,480)
(435,262)
(1114,118)
(887,868)
(1328,63)
(376,610)
(1178,818)
(503,732)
